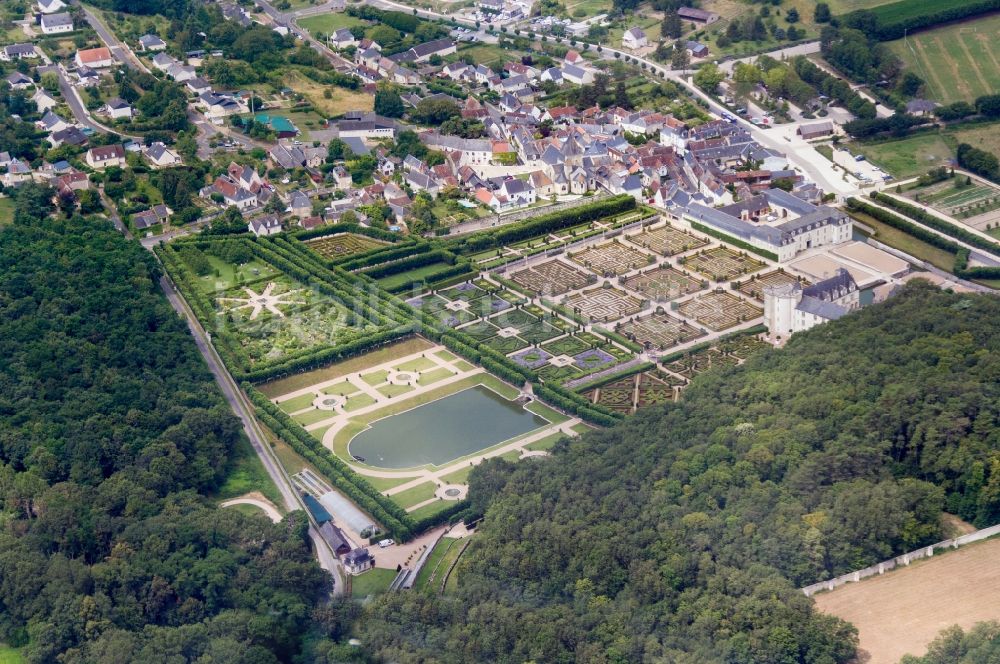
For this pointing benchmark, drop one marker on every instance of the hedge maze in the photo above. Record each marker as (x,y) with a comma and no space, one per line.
(722,263)
(659,331)
(754,286)
(663,283)
(611,259)
(629,394)
(552,277)
(604,304)
(719,310)
(667,240)
(343,244)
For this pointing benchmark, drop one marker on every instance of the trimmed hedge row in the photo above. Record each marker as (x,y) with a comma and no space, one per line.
(323,231)
(610,378)
(574,403)
(961,266)
(409,263)
(614,336)
(894,21)
(385,255)
(544,224)
(937,223)
(731,240)
(386,512)
(752,331)
(458,270)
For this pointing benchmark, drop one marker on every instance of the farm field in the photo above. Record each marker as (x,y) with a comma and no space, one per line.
(959,62)
(902,612)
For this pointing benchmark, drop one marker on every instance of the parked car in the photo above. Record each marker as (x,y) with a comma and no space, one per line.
(385,543)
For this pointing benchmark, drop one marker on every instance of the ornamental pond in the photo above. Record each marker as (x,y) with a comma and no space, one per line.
(443,430)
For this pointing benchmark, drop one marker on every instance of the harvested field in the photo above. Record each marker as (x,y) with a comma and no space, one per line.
(903,611)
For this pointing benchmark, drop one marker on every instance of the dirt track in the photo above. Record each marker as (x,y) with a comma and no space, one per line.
(904,610)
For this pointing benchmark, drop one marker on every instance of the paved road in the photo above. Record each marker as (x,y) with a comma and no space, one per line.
(272,513)
(72,98)
(240,405)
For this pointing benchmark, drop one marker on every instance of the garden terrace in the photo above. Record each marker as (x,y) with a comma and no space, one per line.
(611,259)
(272,310)
(721,263)
(552,277)
(604,304)
(754,286)
(663,283)
(658,331)
(667,240)
(719,310)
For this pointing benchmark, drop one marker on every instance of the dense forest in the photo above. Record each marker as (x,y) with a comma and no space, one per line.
(682,534)
(111,434)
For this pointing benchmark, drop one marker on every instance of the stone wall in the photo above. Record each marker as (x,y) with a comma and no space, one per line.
(905,559)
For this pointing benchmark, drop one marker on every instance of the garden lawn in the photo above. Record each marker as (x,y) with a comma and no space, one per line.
(433,566)
(917,248)
(324,24)
(414,496)
(6,211)
(372,582)
(246,474)
(10,655)
(297,404)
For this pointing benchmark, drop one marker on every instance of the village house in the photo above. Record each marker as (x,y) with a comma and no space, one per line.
(160,156)
(19,81)
(103,156)
(634,38)
(18,52)
(299,204)
(697,15)
(95,58)
(232,193)
(151,43)
(50,6)
(118,109)
(43,100)
(53,24)
(266,225)
(358,561)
